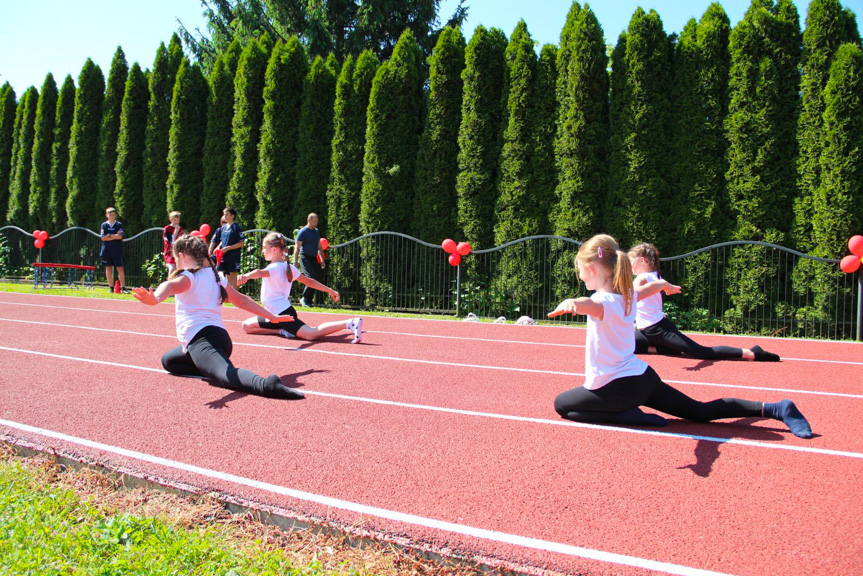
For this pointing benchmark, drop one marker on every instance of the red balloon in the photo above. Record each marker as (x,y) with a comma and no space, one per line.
(36,233)
(196,233)
(850,264)
(205,229)
(43,235)
(218,253)
(855,244)
(454,259)
(463,248)
(448,246)
(39,243)
(324,244)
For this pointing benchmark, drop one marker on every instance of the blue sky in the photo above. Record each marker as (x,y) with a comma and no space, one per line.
(57,36)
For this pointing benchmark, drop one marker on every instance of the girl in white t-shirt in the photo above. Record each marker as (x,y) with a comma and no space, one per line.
(205,347)
(656,333)
(278,278)
(616,381)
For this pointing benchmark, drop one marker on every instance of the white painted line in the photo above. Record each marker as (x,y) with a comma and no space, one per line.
(440,363)
(494,536)
(719,440)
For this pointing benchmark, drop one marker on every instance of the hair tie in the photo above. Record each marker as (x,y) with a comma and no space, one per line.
(599,252)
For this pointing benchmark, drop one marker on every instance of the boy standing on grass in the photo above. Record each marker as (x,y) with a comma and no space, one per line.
(171,232)
(112,249)
(230,240)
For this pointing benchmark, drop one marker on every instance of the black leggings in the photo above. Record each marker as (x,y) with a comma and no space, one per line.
(668,340)
(602,405)
(208,356)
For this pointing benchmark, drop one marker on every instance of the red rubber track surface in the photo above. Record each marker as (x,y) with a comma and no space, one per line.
(367,433)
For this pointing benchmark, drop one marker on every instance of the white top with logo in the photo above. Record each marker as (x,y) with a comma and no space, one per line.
(609,352)
(198,307)
(649,310)
(276,290)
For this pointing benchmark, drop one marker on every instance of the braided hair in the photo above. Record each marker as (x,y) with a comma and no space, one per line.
(195,247)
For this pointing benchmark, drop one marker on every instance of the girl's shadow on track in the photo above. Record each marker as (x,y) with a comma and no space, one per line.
(289,380)
(700,365)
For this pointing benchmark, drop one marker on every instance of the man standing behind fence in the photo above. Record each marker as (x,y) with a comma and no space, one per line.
(112,249)
(307,250)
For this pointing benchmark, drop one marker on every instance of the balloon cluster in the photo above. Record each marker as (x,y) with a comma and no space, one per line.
(323,244)
(852,262)
(201,232)
(455,251)
(40,237)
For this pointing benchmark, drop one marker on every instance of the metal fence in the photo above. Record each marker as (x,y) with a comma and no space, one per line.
(734,287)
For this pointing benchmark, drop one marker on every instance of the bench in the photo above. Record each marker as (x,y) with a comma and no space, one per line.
(44,273)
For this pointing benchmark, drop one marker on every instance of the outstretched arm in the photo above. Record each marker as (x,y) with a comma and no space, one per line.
(243,278)
(243,302)
(314,284)
(168,288)
(650,288)
(581,305)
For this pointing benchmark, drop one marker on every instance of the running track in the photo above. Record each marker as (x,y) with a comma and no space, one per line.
(444,433)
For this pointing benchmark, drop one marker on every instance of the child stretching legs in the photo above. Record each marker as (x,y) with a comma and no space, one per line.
(656,333)
(278,278)
(616,382)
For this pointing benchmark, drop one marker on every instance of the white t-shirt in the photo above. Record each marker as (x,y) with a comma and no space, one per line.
(609,352)
(649,310)
(276,290)
(198,307)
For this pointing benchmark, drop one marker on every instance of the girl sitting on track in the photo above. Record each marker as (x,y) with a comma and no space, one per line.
(656,333)
(616,382)
(206,346)
(278,278)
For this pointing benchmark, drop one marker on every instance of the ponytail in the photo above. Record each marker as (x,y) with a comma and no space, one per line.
(623,280)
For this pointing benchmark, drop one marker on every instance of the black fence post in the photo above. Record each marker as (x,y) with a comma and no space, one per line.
(860,305)
(458,291)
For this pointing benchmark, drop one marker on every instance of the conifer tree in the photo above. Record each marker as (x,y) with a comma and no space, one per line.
(638,203)
(217,144)
(185,151)
(82,175)
(129,169)
(43,139)
(111,109)
(617,129)
(19,188)
(480,135)
(232,56)
(246,130)
(542,166)
(437,164)
(315,152)
(346,180)
(156,139)
(392,140)
(7,137)
(63,118)
(581,142)
(826,30)
(277,171)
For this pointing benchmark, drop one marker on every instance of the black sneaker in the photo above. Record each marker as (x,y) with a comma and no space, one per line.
(762,355)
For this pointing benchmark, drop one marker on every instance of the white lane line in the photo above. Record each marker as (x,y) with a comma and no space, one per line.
(440,363)
(416,520)
(718,440)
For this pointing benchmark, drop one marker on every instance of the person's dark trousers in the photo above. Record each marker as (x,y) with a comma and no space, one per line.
(310,267)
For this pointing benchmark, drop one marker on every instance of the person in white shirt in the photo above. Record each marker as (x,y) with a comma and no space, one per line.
(656,333)
(205,347)
(616,381)
(277,279)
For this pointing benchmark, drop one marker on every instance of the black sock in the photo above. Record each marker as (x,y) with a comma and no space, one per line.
(788,413)
(273,388)
(635,417)
(761,355)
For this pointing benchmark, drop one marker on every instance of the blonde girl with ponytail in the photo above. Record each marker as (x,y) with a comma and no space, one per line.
(205,347)
(616,381)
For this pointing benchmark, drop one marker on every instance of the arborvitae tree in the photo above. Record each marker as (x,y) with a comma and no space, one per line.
(63,117)
(13,160)
(581,143)
(43,139)
(349,139)
(826,29)
(19,187)
(617,127)
(217,144)
(175,59)
(232,56)
(246,130)
(517,213)
(700,94)
(185,152)
(437,163)
(156,139)
(761,122)
(542,165)
(277,171)
(111,109)
(480,135)
(315,142)
(392,140)
(7,136)
(82,175)
(638,205)
(129,169)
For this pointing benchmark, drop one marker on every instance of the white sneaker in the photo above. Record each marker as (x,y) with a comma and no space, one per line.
(356,326)
(303,302)
(285,334)
(500,320)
